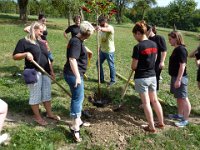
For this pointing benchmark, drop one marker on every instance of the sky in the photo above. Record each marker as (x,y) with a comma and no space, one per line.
(166,2)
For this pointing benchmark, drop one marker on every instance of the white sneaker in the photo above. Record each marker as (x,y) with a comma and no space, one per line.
(4,137)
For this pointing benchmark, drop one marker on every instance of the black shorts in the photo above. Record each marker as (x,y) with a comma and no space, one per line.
(198,75)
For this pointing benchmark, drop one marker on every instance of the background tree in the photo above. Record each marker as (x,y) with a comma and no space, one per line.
(121,6)
(67,8)
(141,6)
(23,9)
(181,12)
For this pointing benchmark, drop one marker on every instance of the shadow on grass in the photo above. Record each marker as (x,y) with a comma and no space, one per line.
(10,69)
(18,105)
(10,19)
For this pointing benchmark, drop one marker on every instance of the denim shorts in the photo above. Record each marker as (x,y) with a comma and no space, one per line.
(182,91)
(40,91)
(143,85)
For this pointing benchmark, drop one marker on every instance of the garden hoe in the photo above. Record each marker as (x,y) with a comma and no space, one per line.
(118,107)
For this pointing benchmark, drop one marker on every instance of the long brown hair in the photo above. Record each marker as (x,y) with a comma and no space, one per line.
(178,36)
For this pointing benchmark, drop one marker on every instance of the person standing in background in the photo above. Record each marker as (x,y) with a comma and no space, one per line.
(73,29)
(107,49)
(179,78)
(161,54)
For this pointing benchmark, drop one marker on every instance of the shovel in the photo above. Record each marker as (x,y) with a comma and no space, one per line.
(123,93)
(44,72)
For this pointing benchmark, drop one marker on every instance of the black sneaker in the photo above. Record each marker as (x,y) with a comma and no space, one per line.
(111,83)
(86,114)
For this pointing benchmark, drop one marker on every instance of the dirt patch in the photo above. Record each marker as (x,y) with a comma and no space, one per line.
(108,128)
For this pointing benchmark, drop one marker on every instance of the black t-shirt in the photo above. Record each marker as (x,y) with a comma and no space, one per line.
(161,45)
(74,29)
(76,49)
(179,55)
(39,52)
(197,55)
(145,52)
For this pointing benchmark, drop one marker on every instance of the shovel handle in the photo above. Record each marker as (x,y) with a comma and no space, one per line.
(127,83)
(44,72)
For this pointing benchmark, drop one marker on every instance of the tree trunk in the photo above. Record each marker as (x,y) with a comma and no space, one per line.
(143,14)
(23,15)
(120,7)
(68,18)
(81,13)
(23,9)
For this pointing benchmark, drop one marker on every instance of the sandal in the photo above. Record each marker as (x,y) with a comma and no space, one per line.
(41,122)
(73,132)
(148,129)
(85,124)
(160,126)
(54,117)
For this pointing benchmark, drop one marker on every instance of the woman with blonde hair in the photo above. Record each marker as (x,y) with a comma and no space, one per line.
(74,71)
(179,79)
(43,38)
(143,63)
(30,48)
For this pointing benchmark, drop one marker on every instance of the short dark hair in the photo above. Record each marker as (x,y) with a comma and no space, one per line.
(149,27)
(76,17)
(102,19)
(40,16)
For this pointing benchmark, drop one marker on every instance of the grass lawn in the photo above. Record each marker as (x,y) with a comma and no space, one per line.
(109,130)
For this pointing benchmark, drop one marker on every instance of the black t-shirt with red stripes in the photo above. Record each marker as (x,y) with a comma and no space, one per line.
(145,52)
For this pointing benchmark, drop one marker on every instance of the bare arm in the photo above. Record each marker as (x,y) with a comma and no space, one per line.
(89,52)
(198,62)
(180,75)
(192,54)
(51,70)
(65,35)
(21,56)
(134,64)
(74,67)
(27,29)
(162,61)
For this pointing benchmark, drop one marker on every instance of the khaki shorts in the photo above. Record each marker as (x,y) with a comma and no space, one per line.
(145,85)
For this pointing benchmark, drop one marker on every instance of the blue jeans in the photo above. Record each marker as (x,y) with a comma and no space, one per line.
(77,95)
(110,59)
